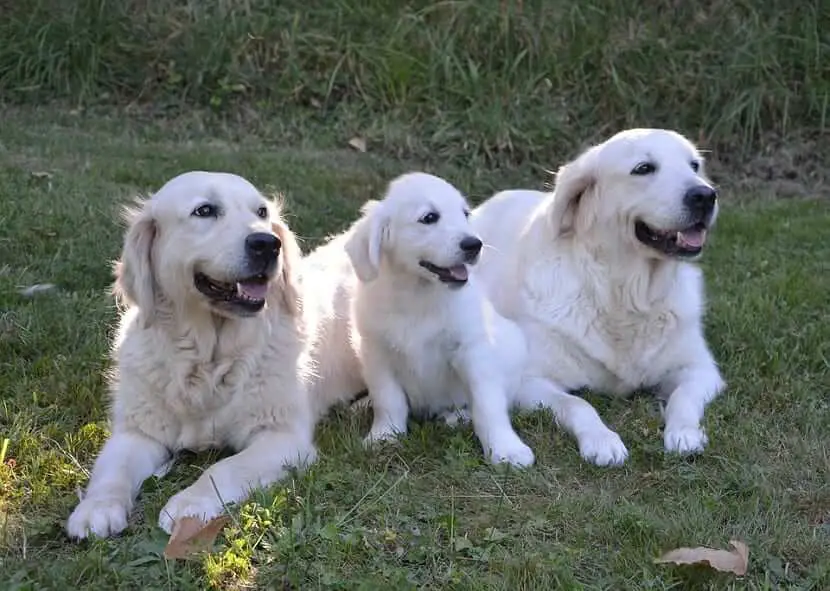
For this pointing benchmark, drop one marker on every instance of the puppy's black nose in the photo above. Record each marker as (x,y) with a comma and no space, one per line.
(470,245)
(700,200)
(262,246)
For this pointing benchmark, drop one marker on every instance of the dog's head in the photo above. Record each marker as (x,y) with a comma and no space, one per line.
(421,227)
(209,240)
(643,189)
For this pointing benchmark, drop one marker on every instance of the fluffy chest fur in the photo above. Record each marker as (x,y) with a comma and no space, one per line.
(196,383)
(609,330)
(420,340)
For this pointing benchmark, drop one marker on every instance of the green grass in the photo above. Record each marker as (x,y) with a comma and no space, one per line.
(505,80)
(429,513)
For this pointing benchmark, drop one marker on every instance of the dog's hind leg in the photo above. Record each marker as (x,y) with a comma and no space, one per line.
(597,443)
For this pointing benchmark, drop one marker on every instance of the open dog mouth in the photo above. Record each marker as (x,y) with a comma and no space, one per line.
(246,296)
(688,242)
(455,275)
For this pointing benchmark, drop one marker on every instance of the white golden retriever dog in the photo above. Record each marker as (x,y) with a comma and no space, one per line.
(208,354)
(430,341)
(600,276)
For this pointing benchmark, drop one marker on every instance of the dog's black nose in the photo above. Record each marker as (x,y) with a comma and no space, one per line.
(262,246)
(470,245)
(700,200)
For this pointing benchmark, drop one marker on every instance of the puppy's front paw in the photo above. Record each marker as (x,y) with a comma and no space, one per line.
(602,447)
(189,503)
(100,517)
(456,416)
(515,452)
(380,437)
(685,440)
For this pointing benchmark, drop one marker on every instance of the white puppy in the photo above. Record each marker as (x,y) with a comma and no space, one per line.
(429,339)
(208,354)
(600,276)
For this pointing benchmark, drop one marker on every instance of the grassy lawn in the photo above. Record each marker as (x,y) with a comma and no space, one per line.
(429,513)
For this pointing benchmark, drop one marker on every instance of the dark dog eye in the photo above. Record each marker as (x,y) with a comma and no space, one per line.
(644,168)
(206,211)
(262,212)
(466,213)
(695,165)
(430,218)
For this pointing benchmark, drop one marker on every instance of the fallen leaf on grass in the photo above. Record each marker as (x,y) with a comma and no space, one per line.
(358,143)
(191,535)
(734,561)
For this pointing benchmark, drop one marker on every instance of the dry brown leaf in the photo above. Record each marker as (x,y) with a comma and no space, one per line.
(358,143)
(191,535)
(734,561)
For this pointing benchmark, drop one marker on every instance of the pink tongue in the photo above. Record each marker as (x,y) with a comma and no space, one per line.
(255,291)
(692,238)
(458,272)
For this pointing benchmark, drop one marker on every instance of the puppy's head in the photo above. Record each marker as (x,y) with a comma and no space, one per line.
(209,240)
(643,189)
(421,227)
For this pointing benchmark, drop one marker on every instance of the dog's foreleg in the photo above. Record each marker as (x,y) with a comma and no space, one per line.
(390,408)
(597,443)
(689,390)
(265,460)
(127,459)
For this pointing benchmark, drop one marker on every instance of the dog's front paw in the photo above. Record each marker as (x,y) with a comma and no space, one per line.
(374,439)
(100,517)
(685,440)
(189,503)
(602,447)
(456,416)
(515,452)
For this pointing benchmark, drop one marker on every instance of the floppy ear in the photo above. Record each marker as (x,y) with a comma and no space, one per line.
(134,280)
(572,180)
(291,257)
(366,239)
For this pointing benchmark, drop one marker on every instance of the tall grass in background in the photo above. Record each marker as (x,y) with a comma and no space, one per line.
(504,79)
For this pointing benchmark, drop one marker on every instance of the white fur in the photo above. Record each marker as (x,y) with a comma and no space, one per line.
(190,376)
(426,346)
(329,283)
(600,309)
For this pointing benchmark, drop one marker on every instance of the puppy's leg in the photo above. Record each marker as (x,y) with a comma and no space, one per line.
(690,390)
(125,462)
(390,407)
(597,443)
(490,408)
(265,460)
(456,416)
(491,422)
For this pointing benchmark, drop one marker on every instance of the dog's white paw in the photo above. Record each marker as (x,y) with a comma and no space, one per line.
(189,503)
(101,517)
(380,436)
(456,416)
(514,452)
(602,447)
(685,440)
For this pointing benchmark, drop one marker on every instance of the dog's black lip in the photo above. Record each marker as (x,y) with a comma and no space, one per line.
(665,241)
(225,294)
(443,273)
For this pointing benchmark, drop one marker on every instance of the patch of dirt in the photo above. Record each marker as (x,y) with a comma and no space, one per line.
(796,166)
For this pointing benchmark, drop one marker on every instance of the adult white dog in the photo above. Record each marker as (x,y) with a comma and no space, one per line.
(208,354)
(600,276)
(430,341)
